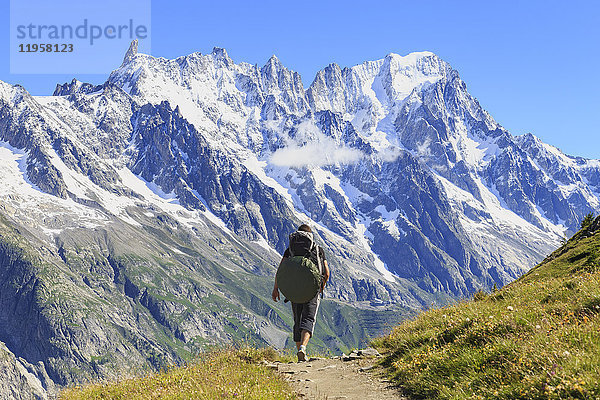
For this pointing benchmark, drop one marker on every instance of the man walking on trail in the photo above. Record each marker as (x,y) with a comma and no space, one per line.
(305,314)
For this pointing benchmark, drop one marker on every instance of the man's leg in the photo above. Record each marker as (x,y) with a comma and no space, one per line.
(301,336)
(297,331)
(306,326)
(304,337)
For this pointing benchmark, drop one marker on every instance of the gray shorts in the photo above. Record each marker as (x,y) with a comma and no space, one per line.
(305,315)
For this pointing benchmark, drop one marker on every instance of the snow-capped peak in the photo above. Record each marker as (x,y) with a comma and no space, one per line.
(273,60)
(383,83)
(131,52)
(220,55)
(403,74)
(6,91)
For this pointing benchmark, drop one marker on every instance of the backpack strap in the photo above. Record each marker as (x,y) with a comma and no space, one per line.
(321,270)
(319,263)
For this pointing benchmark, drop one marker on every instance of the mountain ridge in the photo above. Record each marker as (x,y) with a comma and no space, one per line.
(441,161)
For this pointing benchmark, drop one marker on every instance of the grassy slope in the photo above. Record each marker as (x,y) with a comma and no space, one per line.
(217,375)
(537,338)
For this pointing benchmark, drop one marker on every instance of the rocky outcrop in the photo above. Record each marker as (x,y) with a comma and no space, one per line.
(20,380)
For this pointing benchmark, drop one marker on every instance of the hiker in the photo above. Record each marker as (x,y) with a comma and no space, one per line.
(305,313)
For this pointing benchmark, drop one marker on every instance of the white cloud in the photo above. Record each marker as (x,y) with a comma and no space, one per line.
(317,150)
(316,154)
(389,154)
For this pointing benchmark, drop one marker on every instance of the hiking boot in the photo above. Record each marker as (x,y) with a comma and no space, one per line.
(302,354)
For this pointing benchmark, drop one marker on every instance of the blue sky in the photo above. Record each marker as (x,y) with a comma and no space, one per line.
(532,64)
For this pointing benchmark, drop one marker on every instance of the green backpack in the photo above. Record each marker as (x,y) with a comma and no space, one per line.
(298,277)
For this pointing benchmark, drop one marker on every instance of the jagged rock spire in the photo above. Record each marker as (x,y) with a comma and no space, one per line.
(131,52)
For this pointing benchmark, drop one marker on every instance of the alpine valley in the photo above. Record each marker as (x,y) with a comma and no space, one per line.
(142,220)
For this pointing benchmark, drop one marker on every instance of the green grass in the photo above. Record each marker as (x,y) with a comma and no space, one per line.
(537,338)
(220,374)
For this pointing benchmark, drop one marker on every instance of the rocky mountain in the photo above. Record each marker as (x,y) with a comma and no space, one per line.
(21,379)
(143,219)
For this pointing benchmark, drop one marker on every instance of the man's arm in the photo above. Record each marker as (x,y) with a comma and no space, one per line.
(325,274)
(275,293)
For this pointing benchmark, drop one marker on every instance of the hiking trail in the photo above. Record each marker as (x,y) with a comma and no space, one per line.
(348,378)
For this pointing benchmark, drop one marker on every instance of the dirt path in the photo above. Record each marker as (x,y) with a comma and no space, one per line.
(336,379)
